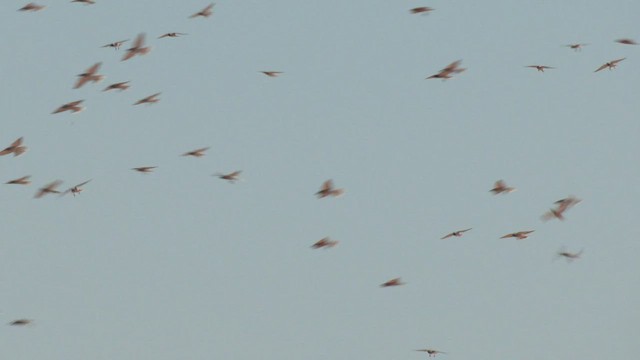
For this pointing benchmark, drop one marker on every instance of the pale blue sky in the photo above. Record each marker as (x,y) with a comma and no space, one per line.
(178,264)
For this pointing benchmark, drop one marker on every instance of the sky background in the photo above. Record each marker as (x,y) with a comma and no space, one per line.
(178,264)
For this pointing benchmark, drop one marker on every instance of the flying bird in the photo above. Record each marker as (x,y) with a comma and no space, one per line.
(627,41)
(137,48)
(500,187)
(86,2)
(432,352)
(48,189)
(325,242)
(327,189)
(33,7)
(421,10)
(392,282)
(118,86)
(20,181)
(116,45)
(540,68)
(455,233)
(73,106)
(21,322)
(444,74)
(611,64)
(520,235)
(89,75)
(171,34)
(562,205)
(151,99)
(145,169)
(206,12)
(16,148)
(197,152)
(272,73)
(569,256)
(576,47)
(231,177)
(75,190)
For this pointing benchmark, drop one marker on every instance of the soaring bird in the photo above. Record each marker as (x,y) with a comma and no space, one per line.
(20,181)
(74,190)
(196,152)
(33,7)
(327,189)
(151,99)
(520,235)
(611,64)
(48,189)
(432,352)
(455,233)
(145,169)
(119,86)
(325,242)
(73,106)
(21,322)
(86,2)
(206,12)
(421,10)
(569,256)
(444,74)
(16,148)
(89,75)
(627,41)
(116,45)
(137,48)
(500,187)
(540,68)
(272,73)
(230,177)
(576,47)
(392,282)
(171,34)
(562,205)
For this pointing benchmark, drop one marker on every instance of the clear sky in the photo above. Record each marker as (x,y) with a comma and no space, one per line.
(178,264)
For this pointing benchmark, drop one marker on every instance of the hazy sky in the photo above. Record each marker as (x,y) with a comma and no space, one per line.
(178,264)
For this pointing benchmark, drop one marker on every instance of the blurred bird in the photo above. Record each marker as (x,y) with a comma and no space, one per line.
(206,12)
(145,169)
(568,255)
(327,189)
(392,282)
(73,106)
(48,189)
(21,322)
(33,7)
(197,152)
(520,235)
(86,2)
(576,47)
(75,189)
(151,99)
(432,352)
(627,41)
(172,34)
(562,205)
(137,48)
(15,148)
(325,242)
(116,45)
(421,10)
(455,233)
(119,86)
(453,68)
(272,73)
(540,67)
(500,187)
(610,65)
(231,177)
(20,181)
(89,75)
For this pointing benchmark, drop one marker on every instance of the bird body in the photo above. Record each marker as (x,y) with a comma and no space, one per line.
(393,282)
(20,181)
(444,74)
(48,189)
(520,235)
(16,148)
(327,189)
(73,106)
(151,99)
(145,169)
(324,243)
(231,177)
(33,7)
(89,75)
(118,86)
(137,48)
(611,64)
(455,233)
(206,12)
(500,187)
(540,68)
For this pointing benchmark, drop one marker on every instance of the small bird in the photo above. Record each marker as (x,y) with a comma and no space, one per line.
(627,41)
(89,75)
(116,45)
(73,106)
(611,64)
(151,99)
(540,67)
(86,2)
(206,12)
(455,233)
(327,189)
(272,73)
(562,205)
(75,190)
(520,235)
(119,86)
(500,187)
(21,322)
(48,189)
(444,74)
(20,181)
(145,169)
(33,7)
(392,282)
(172,34)
(568,255)
(16,148)
(231,177)
(137,48)
(421,10)
(325,242)
(553,214)
(432,352)
(576,47)
(197,152)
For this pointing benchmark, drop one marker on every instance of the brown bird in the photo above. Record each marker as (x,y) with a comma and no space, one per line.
(73,106)
(119,86)
(48,189)
(562,205)
(33,7)
(231,177)
(444,74)
(627,41)
(540,67)
(392,282)
(520,235)
(75,189)
(568,255)
(89,75)
(272,73)
(455,233)
(500,187)
(137,48)
(151,99)
(197,152)
(206,12)
(327,189)
(20,181)
(432,352)
(610,65)
(421,10)
(172,34)
(21,322)
(86,2)
(15,148)
(325,242)
(576,47)
(145,169)
(553,214)
(116,45)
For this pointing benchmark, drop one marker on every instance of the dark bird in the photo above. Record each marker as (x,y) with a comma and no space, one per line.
(206,12)
(272,73)
(75,190)
(500,187)
(327,189)
(576,47)
(137,48)
(610,65)
(444,74)
(421,10)
(569,256)
(151,99)
(197,152)
(455,233)
(89,75)
(20,181)
(16,148)
(145,169)
(540,68)
(118,86)
(325,242)
(520,235)
(432,352)
(21,322)
(116,45)
(627,41)
(48,189)
(86,2)
(231,177)
(562,206)
(392,282)
(171,34)
(33,7)
(73,106)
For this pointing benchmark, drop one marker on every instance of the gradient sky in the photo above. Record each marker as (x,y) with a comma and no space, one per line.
(178,264)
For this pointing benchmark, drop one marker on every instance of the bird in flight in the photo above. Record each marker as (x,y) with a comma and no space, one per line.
(455,233)
(569,256)
(325,242)
(206,12)
(20,181)
(231,177)
(75,190)
(33,7)
(327,189)
(137,48)
(151,99)
(272,73)
(562,205)
(16,148)
(627,41)
(444,74)
(118,86)
(86,2)
(21,322)
(392,282)
(421,10)
(197,152)
(145,169)
(540,68)
(576,47)
(432,352)
(116,45)
(89,75)
(73,106)
(500,187)
(520,235)
(48,189)
(611,64)
(171,34)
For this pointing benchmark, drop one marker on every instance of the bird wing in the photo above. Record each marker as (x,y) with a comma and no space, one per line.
(17,142)
(138,42)
(327,185)
(92,70)
(446,237)
(617,61)
(602,67)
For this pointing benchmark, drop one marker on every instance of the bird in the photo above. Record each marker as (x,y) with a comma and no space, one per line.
(231,177)
(444,74)
(500,187)
(324,242)
(432,352)
(421,10)
(151,99)
(171,34)
(74,190)
(20,181)
(86,2)
(73,106)
(553,214)
(569,256)
(116,45)
(455,233)
(145,169)
(48,189)
(627,41)
(562,205)
(119,86)
(392,282)
(137,48)
(33,7)
(576,47)
(206,12)
(327,189)
(520,235)
(16,148)
(611,64)
(197,152)
(21,322)
(540,68)
(89,75)
(272,73)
